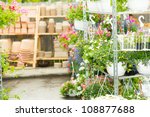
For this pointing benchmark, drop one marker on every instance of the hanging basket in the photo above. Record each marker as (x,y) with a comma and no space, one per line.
(121,69)
(143,69)
(80,25)
(138,5)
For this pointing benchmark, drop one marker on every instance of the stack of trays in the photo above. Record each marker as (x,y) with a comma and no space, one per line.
(26,50)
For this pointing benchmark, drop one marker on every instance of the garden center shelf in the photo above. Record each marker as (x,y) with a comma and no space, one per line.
(15,61)
(14,34)
(52,58)
(48,34)
(125,76)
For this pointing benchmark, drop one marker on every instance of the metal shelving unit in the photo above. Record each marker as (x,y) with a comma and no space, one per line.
(115,42)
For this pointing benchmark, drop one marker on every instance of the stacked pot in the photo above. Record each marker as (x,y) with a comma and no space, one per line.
(5,46)
(26,50)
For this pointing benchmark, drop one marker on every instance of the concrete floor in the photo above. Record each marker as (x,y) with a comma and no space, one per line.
(43,88)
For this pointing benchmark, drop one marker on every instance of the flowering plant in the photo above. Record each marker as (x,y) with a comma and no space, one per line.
(68,38)
(132,25)
(9,13)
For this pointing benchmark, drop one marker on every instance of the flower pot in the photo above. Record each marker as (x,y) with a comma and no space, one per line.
(121,69)
(148,45)
(143,69)
(138,5)
(92,6)
(80,25)
(105,6)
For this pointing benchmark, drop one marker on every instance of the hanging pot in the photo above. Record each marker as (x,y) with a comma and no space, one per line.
(143,69)
(105,6)
(121,69)
(92,6)
(138,5)
(80,25)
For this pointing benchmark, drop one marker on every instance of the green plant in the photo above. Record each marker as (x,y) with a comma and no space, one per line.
(97,89)
(5,94)
(9,13)
(130,89)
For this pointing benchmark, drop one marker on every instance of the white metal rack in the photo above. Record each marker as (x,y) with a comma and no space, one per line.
(126,43)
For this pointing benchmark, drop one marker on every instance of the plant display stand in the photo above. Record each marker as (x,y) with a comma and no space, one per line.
(131,46)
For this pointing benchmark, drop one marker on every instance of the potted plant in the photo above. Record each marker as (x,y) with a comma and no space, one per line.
(147,42)
(139,42)
(142,61)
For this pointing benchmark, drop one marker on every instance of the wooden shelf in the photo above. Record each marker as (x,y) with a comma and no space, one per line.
(48,34)
(53,16)
(52,58)
(14,34)
(15,61)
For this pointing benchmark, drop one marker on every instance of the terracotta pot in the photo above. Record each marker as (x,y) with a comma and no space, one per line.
(16,47)
(5,45)
(31,25)
(27,45)
(57,65)
(31,30)
(65,64)
(48,11)
(42,27)
(61,54)
(58,27)
(59,8)
(66,26)
(53,10)
(17,30)
(41,54)
(51,26)
(48,54)
(24,31)
(43,10)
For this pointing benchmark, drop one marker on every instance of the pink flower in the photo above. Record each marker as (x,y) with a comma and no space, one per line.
(108,34)
(100,32)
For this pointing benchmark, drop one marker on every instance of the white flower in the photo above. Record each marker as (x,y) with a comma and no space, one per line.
(81,68)
(86,61)
(79,88)
(81,63)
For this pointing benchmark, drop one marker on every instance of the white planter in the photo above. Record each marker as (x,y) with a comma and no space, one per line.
(105,6)
(144,69)
(80,25)
(92,6)
(138,5)
(121,69)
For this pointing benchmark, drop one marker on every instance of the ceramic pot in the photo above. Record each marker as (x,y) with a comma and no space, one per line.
(121,69)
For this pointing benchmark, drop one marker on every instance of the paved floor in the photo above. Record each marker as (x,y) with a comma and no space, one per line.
(43,88)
